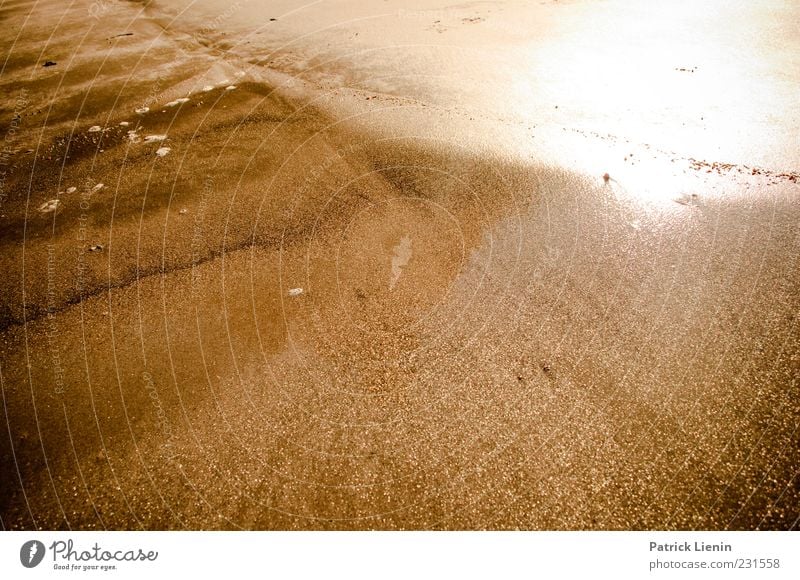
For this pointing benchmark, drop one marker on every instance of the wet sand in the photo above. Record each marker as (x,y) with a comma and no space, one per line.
(490,335)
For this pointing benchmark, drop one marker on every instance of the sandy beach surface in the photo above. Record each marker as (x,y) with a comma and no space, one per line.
(399,265)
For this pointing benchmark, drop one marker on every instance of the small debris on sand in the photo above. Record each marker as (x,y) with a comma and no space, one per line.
(183,211)
(230,87)
(295,292)
(97,187)
(606,177)
(154,138)
(49,206)
(133,136)
(95,129)
(143,110)
(72,189)
(687,199)
(208,88)
(177,102)
(123,123)
(162,151)
(49,63)
(96,248)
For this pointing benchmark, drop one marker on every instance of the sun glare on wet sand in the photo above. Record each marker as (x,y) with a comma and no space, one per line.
(699,80)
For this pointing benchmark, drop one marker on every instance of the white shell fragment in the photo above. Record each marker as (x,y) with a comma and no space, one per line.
(162,151)
(50,206)
(230,87)
(97,187)
(690,199)
(154,138)
(95,128)
(295,292)
(143,110)
(208,88)
(123,123)
(72,189)
(96,248)
(177,102)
